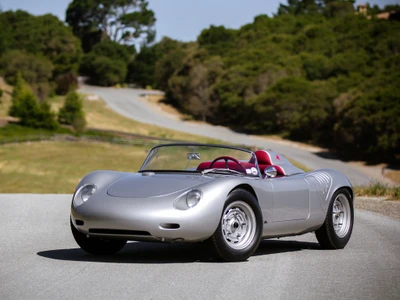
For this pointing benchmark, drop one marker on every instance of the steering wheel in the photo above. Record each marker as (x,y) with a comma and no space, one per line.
(226,159)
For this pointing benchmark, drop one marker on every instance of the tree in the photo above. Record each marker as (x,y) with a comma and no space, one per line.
(104,71)
(120,21)
(72,112)
(200,104)
(35,70)
(30,113)
(42,41)
(142,70)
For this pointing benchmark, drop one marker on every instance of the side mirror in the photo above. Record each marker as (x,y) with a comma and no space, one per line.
(270,172)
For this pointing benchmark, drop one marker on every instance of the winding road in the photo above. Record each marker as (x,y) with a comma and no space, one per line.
(128,103)
(40,260)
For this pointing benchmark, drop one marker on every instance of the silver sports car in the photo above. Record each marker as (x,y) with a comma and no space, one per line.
(230,197)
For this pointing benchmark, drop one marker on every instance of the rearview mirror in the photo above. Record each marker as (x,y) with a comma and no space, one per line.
(193,155)
(270,172)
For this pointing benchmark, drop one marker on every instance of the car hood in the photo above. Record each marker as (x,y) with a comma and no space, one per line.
(141,186)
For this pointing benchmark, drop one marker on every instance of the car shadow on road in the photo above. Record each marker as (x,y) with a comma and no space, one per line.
(156,253)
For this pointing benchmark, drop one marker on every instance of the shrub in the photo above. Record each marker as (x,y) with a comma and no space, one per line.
(25,107)
(72,112)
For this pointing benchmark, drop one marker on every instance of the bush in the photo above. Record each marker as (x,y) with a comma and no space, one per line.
(25,107)
(72,112)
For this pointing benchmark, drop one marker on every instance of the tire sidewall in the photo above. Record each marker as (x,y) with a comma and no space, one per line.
(340,242)
(223,249)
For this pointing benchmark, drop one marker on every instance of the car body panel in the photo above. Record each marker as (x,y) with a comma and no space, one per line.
(152,206)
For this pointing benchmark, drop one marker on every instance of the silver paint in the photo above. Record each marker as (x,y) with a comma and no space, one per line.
(290,205)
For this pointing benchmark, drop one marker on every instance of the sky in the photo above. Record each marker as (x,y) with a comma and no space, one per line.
(180,19)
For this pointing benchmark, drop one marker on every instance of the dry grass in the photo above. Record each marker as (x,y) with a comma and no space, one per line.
(393,175)
(99,116)
(57,167)
(378,189)
(157,101)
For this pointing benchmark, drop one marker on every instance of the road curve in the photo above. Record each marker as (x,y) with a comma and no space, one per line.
(128,103)
(40,260)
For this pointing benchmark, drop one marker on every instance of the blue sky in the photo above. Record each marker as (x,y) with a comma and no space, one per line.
(179,19)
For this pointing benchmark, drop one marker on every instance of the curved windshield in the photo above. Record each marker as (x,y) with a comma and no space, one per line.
(201,158)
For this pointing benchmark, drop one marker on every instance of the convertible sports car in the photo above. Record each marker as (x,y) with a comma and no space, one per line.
(229,197)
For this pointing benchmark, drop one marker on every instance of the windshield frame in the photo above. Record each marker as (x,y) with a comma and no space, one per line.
(198,171)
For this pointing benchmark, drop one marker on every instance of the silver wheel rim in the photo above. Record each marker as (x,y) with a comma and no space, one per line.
(238,225)
(341,215)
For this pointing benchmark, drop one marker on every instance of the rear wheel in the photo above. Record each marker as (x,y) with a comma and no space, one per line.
(338,226)
(96,246)
(239,231)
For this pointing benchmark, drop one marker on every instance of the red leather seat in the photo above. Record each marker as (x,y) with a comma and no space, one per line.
(264,160)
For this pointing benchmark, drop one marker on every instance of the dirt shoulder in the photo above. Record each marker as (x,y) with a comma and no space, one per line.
(379,205)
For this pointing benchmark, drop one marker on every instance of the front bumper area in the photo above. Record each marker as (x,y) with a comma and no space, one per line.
(150,219)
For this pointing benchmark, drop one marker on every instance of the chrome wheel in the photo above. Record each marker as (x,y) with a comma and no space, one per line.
(238,225)
(341,217)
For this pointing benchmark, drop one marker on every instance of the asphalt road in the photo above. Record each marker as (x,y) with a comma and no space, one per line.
(127,103)
(40,260)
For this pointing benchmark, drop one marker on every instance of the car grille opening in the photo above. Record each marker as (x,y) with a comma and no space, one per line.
(79,222)
(119,232)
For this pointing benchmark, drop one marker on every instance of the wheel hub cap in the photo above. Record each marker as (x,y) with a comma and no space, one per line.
(238,225)
(341,215)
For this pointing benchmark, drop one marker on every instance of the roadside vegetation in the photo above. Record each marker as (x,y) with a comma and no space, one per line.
(316,72)
(57,167)
(378,190)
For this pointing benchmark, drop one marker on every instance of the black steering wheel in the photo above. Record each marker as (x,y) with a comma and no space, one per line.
(226,159)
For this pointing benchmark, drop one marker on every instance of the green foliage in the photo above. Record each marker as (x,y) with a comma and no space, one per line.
(42,48)
(103,70)
(142,70)
(1,94)
(114,51)
(72,112)
(30,113)
(40,35)
(101,59)
(314,72)
(120,21)
(36,70)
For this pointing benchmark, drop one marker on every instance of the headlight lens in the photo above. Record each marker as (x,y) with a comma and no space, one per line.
(87,191)
(193,197)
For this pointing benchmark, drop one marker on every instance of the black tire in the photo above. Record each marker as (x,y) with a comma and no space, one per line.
(240,207)
(96,246)
(329,236)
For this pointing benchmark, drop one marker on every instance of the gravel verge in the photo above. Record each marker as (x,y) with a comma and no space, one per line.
(379,205)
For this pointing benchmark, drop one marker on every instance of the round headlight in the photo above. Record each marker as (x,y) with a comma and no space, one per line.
(87,191)
(192,198)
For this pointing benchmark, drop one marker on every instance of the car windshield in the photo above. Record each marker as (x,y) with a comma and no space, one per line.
(201,158)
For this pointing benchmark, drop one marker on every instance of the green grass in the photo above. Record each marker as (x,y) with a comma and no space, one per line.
(57,167)
(378,189)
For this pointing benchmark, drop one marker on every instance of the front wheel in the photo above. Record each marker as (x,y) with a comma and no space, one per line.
(239,231)
(338,226)
(96,246)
